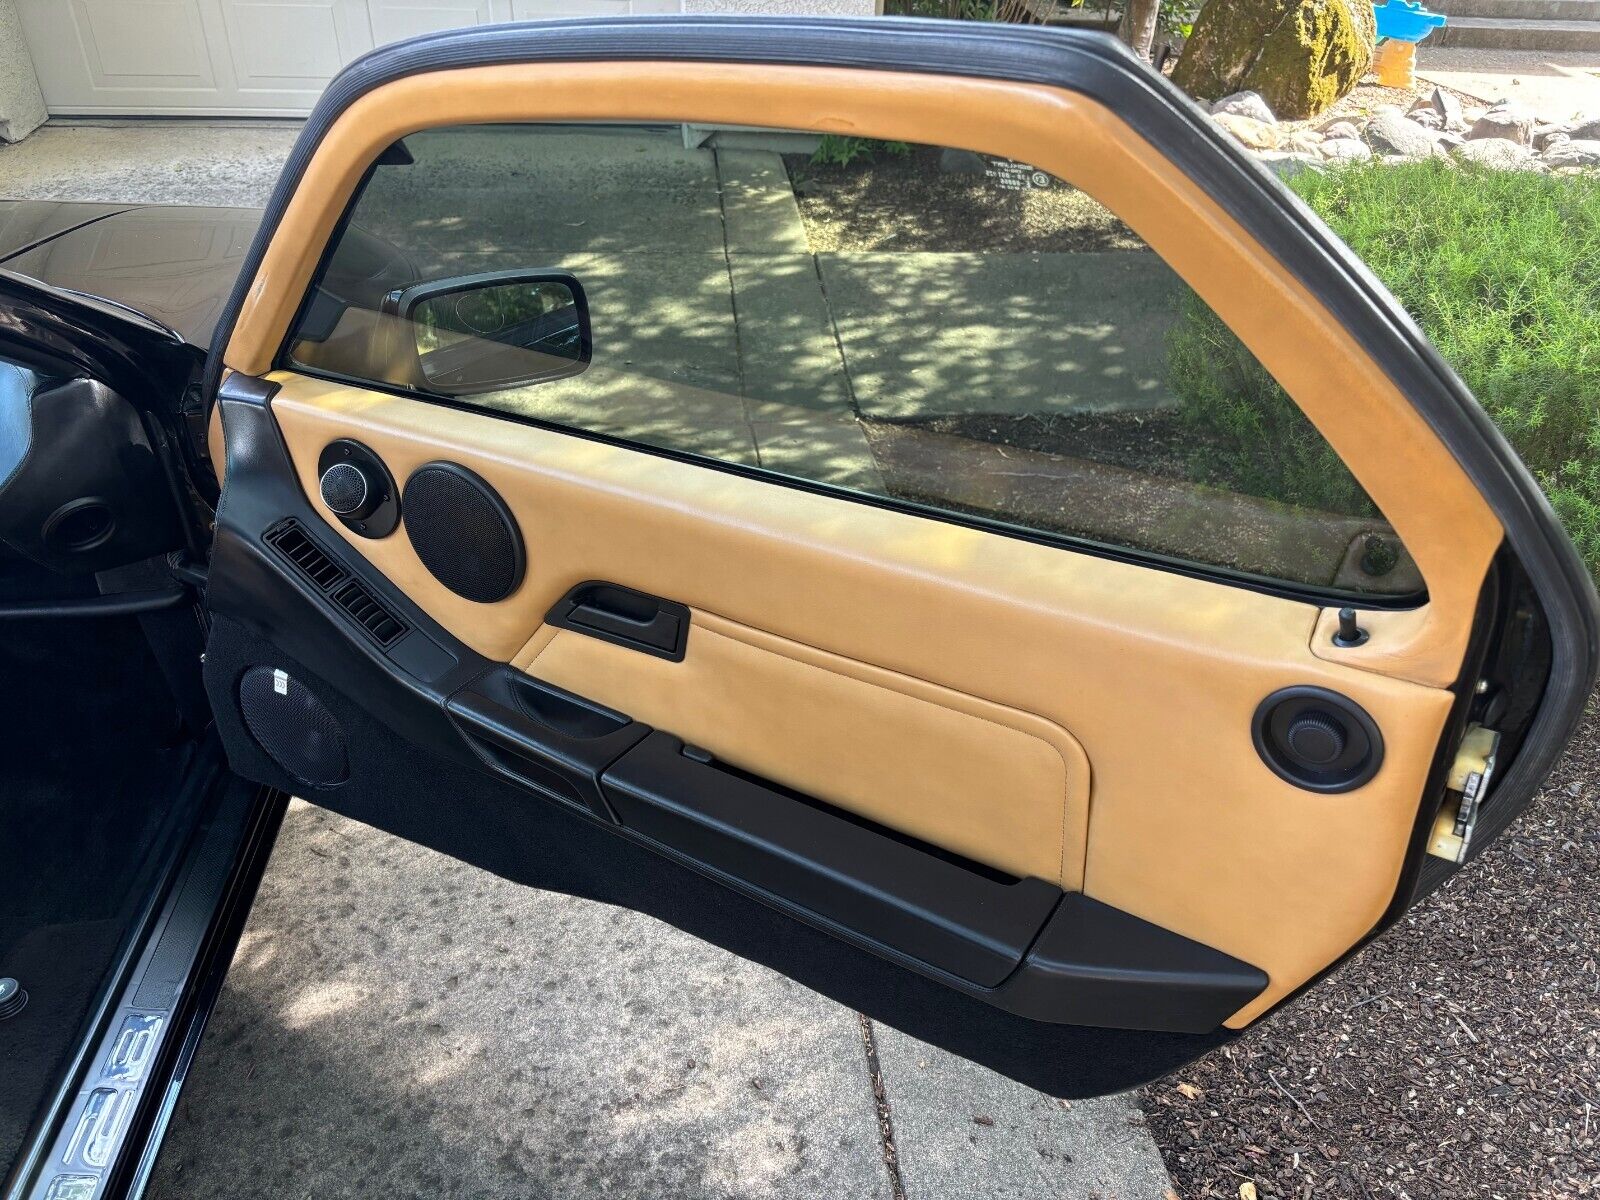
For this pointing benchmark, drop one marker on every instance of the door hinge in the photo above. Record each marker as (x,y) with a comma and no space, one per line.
(1468,783)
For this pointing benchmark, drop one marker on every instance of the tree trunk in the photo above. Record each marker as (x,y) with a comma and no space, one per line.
(1138,25)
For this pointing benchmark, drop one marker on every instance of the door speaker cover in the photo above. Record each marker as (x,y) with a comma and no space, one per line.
(463,532)
(293,727)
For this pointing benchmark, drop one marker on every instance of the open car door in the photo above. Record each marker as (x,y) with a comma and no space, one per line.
(609,503)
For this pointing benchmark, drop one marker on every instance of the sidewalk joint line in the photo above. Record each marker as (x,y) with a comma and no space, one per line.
(880,1097)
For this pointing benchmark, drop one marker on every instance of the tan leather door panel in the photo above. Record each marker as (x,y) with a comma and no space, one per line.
(1155,674)
(990,783)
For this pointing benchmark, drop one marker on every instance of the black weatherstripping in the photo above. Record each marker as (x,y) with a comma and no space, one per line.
(113,604)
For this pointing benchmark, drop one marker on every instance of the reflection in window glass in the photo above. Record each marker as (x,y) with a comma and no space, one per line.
(915,322)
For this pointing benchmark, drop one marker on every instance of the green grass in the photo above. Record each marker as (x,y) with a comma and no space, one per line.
(1501,269)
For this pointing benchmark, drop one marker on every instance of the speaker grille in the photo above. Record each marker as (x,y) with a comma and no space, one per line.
(344,488)
(293,727)
(463,532)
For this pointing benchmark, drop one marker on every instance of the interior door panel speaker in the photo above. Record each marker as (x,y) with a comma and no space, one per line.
(357,488)
(293,727)
(463,532)
(1317,739)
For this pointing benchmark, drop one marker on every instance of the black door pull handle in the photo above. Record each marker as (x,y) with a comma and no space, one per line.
(624,617)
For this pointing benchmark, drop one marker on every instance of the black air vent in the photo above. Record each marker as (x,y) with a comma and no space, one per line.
(320,569)
(368,613)
(291,541)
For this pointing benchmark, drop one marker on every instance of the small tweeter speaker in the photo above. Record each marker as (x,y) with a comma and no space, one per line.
(294,727)
(463,532)
(1317,739)
(357,489)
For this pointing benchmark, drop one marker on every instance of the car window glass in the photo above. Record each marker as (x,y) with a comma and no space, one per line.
(913,323)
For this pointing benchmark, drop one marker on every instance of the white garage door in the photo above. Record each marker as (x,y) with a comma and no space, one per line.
(239,57)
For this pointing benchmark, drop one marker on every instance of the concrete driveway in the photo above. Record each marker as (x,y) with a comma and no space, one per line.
(398,1023)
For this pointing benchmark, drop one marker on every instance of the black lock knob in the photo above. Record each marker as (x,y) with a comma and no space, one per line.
(1316,739)
(349,491)
(1350,632)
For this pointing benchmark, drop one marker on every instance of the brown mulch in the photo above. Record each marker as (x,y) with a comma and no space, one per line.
(1455,1057)
(911,202)
(1156,443)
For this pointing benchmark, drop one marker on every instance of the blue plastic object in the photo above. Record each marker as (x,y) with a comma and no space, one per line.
(1406,20)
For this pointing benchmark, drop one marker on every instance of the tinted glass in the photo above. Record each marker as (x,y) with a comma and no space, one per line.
(911,322)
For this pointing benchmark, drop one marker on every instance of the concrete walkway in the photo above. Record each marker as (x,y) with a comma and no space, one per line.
(1558,85)
(397,1023)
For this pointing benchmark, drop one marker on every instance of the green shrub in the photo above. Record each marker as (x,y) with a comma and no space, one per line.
(838,150)
(1502,271)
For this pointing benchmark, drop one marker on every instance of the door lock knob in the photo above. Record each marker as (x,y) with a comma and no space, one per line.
(349,491)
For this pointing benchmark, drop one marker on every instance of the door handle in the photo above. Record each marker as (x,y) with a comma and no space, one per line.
(624,617)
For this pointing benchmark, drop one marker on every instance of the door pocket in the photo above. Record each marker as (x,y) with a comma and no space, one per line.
(1001,787)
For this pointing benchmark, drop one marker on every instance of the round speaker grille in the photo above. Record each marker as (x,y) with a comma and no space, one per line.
(293,727)
(1317,739)
(344,488)
(463,532)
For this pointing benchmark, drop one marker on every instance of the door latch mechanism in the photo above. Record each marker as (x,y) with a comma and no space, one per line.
(1468,784)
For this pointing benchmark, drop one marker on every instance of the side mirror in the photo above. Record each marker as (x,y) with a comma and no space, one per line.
(492,331)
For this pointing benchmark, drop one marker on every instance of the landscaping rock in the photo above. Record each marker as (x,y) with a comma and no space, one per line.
(1584,129)
(961,162)
(1502,154)
(1427,118)
(1245,104)
(1342,129)
(1258,135)
(1389,133)
(1345,150)
(1543,135)
(1287,166)
(1298,55)
(1574,152)
(1508,120)
(1442,105)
